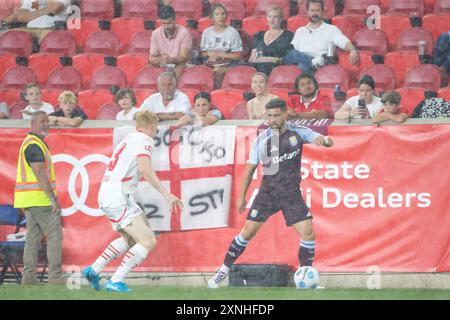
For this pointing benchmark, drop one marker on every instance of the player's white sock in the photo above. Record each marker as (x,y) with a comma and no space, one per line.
(225,269)
(132,259)
(115,249)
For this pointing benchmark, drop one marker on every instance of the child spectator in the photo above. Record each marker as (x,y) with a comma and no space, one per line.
(70,114)
(34,97)
(126,99)
(391,109)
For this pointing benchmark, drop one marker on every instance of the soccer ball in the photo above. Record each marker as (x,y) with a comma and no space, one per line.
(306,278)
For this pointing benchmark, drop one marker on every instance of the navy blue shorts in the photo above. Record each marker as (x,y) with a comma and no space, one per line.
(291,204)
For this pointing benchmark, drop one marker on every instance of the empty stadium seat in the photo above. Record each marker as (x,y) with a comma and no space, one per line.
(87,26)
(103,41)
(409,40)
(235,8)
(97,9)
(254,24)
(142,94)
(383,75)
(6,8)
(373,40)
(125,29)
(226,100)
(426,76)
(144,9)
(51,95)
(393,25)
(401,62)
(444,93)
(281,93)
(240,111)
(64,78)
(107,77)
(87,63)
(61,42)
(411,97)
(250,7)
(11,96)
(6,62)
(14,110)
(147,78)
(295,22)
(17,78)
(204,23)
(140,42)
(17,43)
(284,77)
(349,24)
(329,6)
(197,77)
(239,77)
(131,64)
(188,9)
(108,112)
(262,5)
(331,75)
(359,6)
(365,60)
(406,7)
(190,93)
(43,64)
(436,24)
(92,100)
(442,7)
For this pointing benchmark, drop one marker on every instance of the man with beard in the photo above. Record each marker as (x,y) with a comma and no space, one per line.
(279,149)
(311,41)
(310,102)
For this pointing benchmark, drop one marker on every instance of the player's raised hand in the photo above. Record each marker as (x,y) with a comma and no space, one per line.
(175,203)
(241,204)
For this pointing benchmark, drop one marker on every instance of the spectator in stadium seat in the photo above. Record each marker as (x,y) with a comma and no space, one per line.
(269,47)
(220,44)
(39,15)
(256,107)
(391,109)
(352,108)
(310,102)
(70,114)
(442,51)
(34,97)
(171,44)
(126,99)
(169,103)
(311,41)
(202,113)
(4,111)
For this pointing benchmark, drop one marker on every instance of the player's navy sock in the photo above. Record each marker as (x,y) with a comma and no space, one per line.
(306,252)
(236,248)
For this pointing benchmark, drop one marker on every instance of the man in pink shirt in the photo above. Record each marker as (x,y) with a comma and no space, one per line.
(171,44)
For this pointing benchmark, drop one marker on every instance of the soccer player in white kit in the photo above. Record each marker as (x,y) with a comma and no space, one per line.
(130,161)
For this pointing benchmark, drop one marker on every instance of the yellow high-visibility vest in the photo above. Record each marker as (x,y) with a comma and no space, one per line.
(28,193)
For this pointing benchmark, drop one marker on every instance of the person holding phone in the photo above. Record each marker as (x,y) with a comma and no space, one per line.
(362,106)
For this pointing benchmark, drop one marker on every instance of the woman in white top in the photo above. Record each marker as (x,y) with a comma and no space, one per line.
(354,107)
(126,99)
(257,106)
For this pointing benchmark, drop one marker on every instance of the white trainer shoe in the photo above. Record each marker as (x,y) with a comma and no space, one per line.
(217,279)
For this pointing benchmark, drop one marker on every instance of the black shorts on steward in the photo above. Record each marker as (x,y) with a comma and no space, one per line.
(292,205)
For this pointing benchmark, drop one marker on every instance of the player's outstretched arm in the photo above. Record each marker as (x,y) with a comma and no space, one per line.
(248,176)
(325,141)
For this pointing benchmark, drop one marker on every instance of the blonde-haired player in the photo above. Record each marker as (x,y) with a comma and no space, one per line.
(130,161)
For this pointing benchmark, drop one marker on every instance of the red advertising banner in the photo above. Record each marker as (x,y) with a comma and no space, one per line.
(379,197)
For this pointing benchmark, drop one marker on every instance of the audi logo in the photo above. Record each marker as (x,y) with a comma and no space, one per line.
(79,169)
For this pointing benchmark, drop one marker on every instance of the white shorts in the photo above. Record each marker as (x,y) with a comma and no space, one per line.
(121,216)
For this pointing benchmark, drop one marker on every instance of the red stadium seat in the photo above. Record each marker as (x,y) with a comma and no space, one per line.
(204,23)
(225,100)
(442,7)
(125,29)
(411,97)
(409,40)
(281,93)
(329,5)
(104,41)
(92,100)
(406,7)
(284,77)
(426,76)
(436,24)
(6,8)
(401,62)
(14,110)
(235,8)
(61,42)
(359,6)
(197,37)
(108,112)
(6,62)
(144,9)
(51,95)
(332,75)
(188,9)
(295,22)
(352,93)
(131,64)
(350,24)
(393,26)
(197,77)
(147,78)
(254,24)
(140,42)
(191,94)
(142,94)
(107,77)
(64,78)
(240,111)
(365,60)
(262,5)
(97,9)
(11,96)
(87,26)
(373,40)
(43,64)
(429,5)
(17,43)
(250,7)
(444,93)
(17,78)
(383,75)
(238,77)
(87,63)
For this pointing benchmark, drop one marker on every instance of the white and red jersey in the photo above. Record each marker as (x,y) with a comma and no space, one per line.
(121,176)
